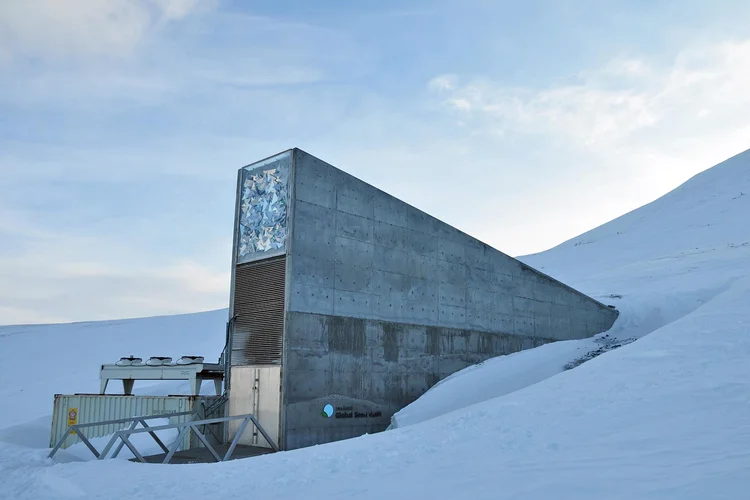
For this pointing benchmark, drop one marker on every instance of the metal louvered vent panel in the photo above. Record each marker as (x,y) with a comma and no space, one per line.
(259,312)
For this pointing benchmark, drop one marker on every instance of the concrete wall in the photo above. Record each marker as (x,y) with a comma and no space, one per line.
(385,300)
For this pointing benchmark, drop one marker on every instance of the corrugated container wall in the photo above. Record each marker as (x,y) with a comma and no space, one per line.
(86,408)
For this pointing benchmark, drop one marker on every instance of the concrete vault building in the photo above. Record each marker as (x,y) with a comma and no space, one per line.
(347,304)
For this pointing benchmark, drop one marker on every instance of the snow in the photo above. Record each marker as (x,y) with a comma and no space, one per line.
(39,361)
(494,378)
(656,264)
(664,417)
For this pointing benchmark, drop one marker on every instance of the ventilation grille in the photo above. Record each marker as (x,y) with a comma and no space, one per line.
(259,312)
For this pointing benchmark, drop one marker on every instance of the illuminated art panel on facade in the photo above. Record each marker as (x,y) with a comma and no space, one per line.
(263,209)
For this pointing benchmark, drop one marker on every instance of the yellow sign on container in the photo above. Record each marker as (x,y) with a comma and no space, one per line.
(72,417)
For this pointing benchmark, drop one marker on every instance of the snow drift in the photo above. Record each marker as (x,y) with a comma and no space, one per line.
(657,264)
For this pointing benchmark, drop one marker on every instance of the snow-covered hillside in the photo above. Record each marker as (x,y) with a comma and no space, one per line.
(657,264)
(39,361)
(666,416)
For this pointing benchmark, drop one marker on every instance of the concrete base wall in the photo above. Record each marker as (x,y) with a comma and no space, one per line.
(369,369)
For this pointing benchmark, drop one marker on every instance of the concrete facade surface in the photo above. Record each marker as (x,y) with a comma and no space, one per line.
(371,367)
(358,252)
(384,300)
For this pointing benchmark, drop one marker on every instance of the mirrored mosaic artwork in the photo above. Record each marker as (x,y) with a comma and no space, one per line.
(263,209)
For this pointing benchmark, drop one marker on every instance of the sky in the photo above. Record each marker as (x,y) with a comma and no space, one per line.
(524,124)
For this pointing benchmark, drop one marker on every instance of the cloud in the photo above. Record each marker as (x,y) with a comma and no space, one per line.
(606,141)
(24,316)
(105,57)
(627,103)
(37,289)
(177,9)
(106,268)
(631,122)
(626,67)
(81,29)
(444,82)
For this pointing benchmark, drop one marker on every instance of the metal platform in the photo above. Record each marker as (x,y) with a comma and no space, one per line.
(196,373)
(203,456)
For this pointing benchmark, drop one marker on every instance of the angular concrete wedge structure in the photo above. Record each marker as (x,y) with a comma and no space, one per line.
(347,304)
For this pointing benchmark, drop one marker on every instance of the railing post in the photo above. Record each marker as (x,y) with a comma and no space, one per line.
(153,435)
(262,431)
(60,442)
(85,440)
(122,443)
(236,439)
(205,442)
(175,445)
(133,449)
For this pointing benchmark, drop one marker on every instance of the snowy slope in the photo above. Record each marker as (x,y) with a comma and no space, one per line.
(494,378)
(695,236)
(657,264)
(37,362)
(663,417)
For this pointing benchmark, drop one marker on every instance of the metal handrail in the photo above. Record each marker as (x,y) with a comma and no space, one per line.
(247,418)
(123,436)
(133,420)
(213,408)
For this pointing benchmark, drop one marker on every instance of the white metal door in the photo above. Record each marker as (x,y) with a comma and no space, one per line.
(256,390)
